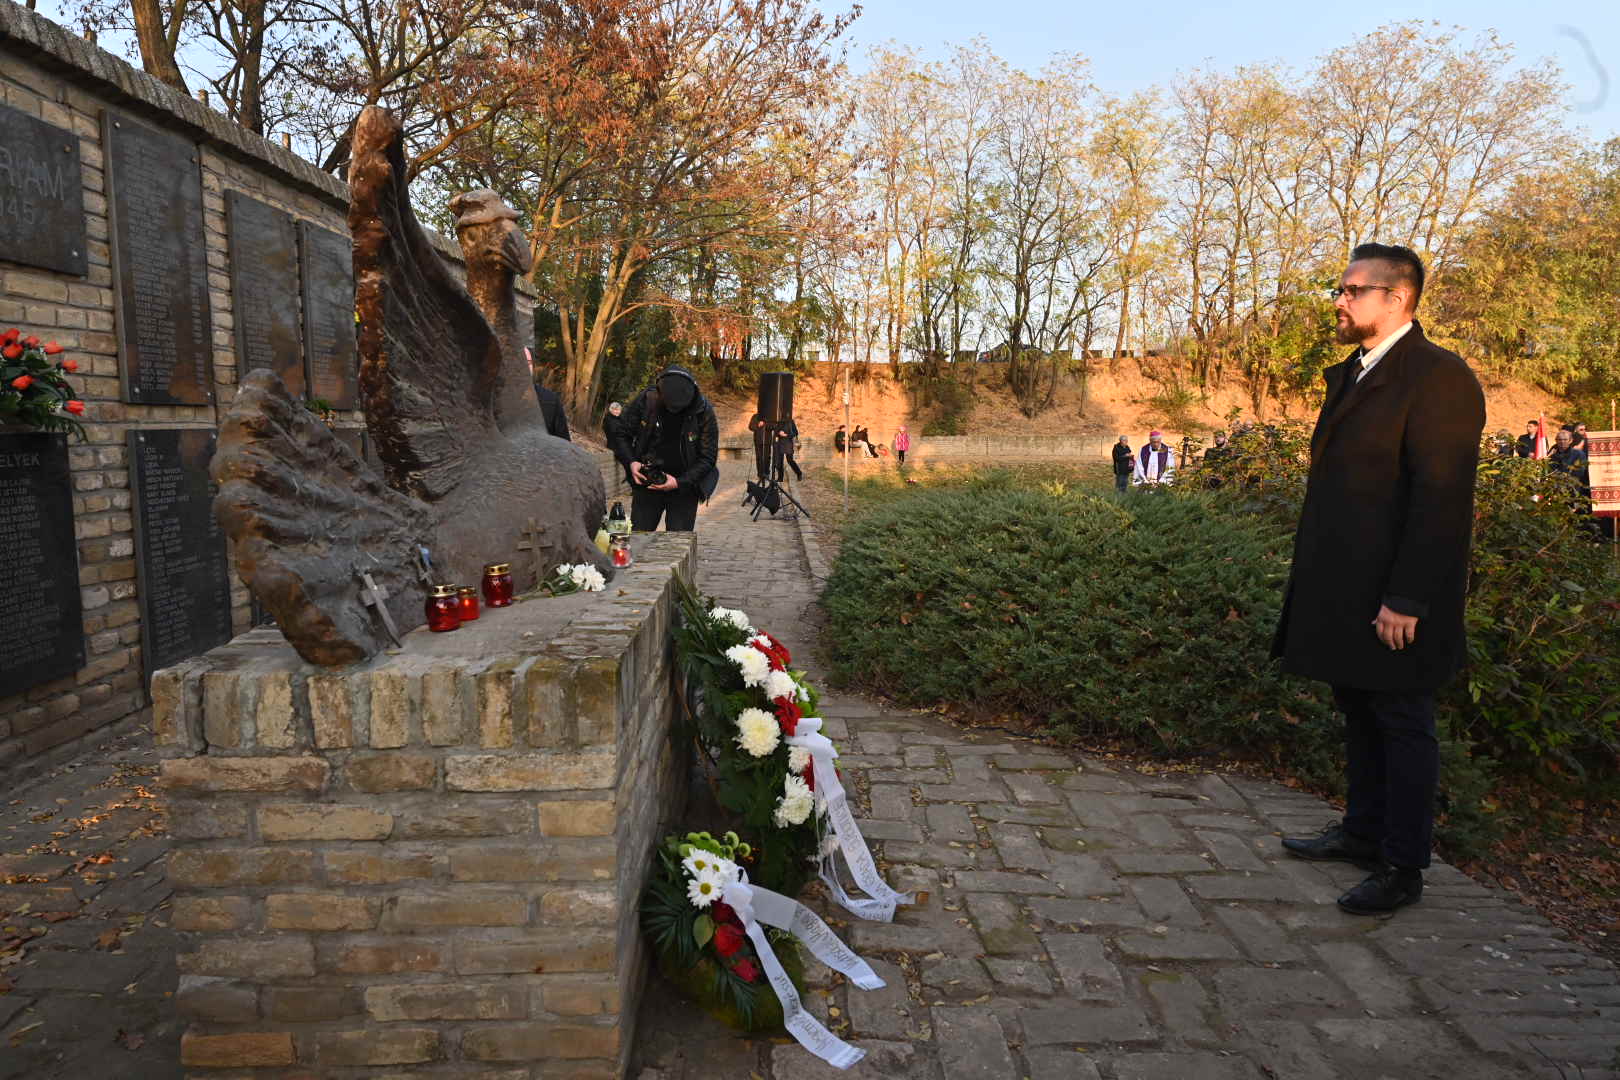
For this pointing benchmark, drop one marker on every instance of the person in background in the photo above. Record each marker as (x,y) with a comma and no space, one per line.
(671,428)
(1566,457)
(1155,463)
(1526,446)
(902,443)
(1122,463)
(840,438)
(551,406)
(786,445)
(610,431)
(1504,444)
(1578,429)
(1218,451)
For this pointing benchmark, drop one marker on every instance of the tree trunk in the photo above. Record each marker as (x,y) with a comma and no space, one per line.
(250,109)
(157,55)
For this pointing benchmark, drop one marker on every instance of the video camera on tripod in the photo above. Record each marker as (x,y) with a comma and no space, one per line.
(775,417)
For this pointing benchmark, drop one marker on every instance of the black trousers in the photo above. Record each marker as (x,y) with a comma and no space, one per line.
(1394,768)
(784,453)
(677,509)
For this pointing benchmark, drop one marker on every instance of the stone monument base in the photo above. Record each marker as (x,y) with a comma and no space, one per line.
(429,864)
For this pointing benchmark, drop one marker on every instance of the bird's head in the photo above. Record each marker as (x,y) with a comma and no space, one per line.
(487,229)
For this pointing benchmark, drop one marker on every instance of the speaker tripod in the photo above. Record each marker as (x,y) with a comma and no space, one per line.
(769,493)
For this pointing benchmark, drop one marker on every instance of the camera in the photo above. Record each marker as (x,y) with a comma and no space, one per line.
(653,475)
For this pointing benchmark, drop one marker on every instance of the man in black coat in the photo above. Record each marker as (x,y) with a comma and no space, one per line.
(1375,602)
(671,428)
(1122,464)
(1526,446)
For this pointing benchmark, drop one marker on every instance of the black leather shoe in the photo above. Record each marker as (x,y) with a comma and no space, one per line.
(1385,891)
(1333,844)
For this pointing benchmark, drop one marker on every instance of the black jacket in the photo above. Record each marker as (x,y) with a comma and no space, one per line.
(1525,446)
(1388,519)
(551,407)
(638,430)
(1122,459)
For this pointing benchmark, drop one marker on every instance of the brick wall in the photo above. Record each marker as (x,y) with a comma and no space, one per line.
(47,73)
(434,858)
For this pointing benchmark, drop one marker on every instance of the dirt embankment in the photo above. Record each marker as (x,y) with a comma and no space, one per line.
(1117,403)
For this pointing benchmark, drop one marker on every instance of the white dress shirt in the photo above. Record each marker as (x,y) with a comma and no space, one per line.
(1369,360)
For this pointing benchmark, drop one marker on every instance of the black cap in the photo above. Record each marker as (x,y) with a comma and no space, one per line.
(677,389)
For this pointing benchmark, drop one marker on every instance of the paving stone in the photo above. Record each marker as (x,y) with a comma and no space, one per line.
(954,979)
(1162,900)
(1377,986)
(1055,1063)
(1002,927)
(1019,846)
(1259,992)
(1184,1066)
(967,791)
(892,802)
(972,858)
(1234,822)
(1289,1049)
(883,1061)
(971,1044)
(1086,1024)
(1095,809)
(1155,830)
(1026,815)
(1019,976)
(936,777)
(1177,945)
(1215,788)
(880,829)
(1232,852)
(949,822)
(1083,966)
(1183,1002)
(888,1012)
(1048,761)
(1261,936)
(1157,863)
(1084,875)
(1031,787)
(922,757)
(1244,887)
(1088,913)
(875,742)
(1004,882)
(920,940)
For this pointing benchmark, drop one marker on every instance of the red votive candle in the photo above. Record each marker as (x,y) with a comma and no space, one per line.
(467,602)
(443,610)
(498,584)
(619,550)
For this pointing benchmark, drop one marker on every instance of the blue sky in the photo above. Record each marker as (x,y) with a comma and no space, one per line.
(1134,45)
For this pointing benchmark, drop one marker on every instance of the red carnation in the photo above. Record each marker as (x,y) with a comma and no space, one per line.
(31,341)
(809,775)
(52,348)
(787,658)
(22,382)
(723,913)
(75,407)
(728,939)
(12,351)
(788,715)
(70,365)
(746,970)
(10,335)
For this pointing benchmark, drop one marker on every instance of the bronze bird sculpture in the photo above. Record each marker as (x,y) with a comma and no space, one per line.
(468,467)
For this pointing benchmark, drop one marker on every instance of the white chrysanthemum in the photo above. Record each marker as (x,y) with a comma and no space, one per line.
(726,871)
(758,732)
(734,617)
(795,804)
(798,759)
(704,889)
(780,684)
(587,577)
(751,661)
(701,862)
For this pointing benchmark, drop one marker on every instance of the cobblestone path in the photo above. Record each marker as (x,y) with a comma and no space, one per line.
(1086,922)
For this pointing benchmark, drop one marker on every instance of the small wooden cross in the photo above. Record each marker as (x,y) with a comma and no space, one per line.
(374,596)
(531,531)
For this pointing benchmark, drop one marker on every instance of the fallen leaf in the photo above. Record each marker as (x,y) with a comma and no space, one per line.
(128,1041)
(108,939)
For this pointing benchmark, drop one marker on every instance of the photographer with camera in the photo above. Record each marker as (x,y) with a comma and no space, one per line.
(669,440)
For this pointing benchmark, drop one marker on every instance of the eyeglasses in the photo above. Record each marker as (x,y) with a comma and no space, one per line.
(1354,291)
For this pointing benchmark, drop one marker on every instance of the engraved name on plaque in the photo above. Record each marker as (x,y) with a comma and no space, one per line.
(179,548)
(160,264)
(264,289)
(41,624)
(41,194)
(329,347)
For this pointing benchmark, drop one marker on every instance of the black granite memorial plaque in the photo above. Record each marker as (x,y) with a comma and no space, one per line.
(264,289)
(41,625)
(160,264)
(41,194)
(329,349)
(179,548)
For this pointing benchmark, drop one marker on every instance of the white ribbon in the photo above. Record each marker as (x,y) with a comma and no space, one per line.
(758,908)
(883,900)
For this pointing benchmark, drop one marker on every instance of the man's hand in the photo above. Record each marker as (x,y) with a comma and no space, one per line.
(670,484)
(635,473)
(1394,629)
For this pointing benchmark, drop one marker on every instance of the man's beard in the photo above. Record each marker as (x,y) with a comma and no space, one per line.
(1348,333)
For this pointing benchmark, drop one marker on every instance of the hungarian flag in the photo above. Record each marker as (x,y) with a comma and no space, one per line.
(1541,446)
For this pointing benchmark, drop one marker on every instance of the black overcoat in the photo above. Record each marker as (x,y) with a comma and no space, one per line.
(1388,519)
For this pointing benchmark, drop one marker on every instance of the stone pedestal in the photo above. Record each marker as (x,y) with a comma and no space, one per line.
(433,860)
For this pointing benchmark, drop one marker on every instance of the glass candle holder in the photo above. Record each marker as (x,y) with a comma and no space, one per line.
(498,584)
(467,602)
(619,550)
(443,609)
